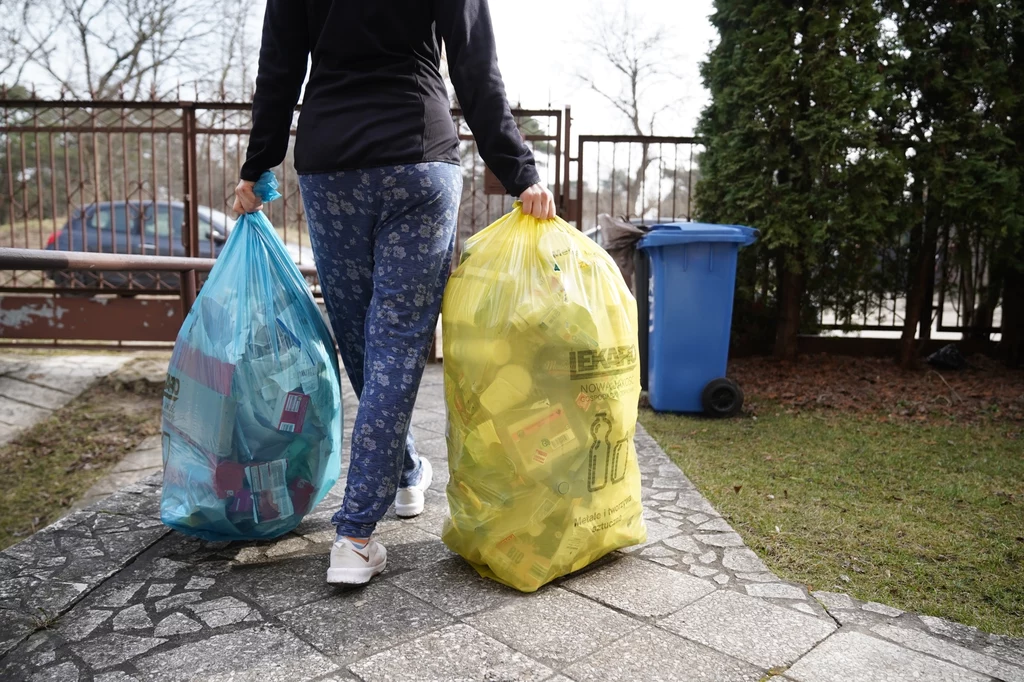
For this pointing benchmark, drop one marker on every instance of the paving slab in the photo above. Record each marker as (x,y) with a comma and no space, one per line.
(454,654)
(224,611)
(32,394)
(454,587)
(947,651)
(743,561)
(176,624)
(775,591)
(265,653)
(640,588)
(748,628)
(856,657)
(355,623)
(69,373)
(410,547)
(1010,650)
(149,455)
(20,416)
(554,626)
(109,650)
(654,655)
(834,600)
(263,582)
(32,387)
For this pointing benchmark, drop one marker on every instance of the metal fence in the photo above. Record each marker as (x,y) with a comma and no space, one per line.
(965,299)
(644,178)
(157,179)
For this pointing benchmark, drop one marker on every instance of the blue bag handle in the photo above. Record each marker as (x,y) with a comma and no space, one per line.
(266,187)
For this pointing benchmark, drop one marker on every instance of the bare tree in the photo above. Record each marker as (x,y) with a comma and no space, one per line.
(630,67)
(14,53)
(233,77)
(106,49)
(8,43)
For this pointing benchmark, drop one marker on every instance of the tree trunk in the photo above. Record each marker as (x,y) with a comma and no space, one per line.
(1011,348)
(640,205)
(920,284)
(791,293)
(991,278)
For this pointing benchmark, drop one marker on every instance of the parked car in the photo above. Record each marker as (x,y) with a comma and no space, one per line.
(141,228)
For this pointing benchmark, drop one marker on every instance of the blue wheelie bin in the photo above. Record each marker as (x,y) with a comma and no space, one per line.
(693,272)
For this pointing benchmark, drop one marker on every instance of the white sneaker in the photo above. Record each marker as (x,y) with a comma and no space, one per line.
(409,501)
(353,566)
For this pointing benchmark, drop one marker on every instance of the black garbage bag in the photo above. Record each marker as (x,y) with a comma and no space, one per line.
(620,239)
(947,357)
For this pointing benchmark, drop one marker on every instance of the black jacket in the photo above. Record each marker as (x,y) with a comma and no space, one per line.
(375,96)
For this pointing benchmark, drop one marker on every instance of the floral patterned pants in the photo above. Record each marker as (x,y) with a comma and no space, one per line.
(383,241)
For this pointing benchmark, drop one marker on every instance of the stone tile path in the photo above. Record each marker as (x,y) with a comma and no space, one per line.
(33,386)
(145,461)
(108,594)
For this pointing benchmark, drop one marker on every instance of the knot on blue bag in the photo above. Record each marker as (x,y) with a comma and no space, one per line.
(266,187)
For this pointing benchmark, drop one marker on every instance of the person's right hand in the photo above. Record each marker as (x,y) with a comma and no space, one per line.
(538,202)
(246,200)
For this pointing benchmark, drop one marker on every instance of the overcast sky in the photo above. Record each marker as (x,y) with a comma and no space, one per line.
(540,51)
(535,75)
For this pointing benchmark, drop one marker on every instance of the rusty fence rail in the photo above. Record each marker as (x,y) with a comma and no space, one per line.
(148,321)
(74,261)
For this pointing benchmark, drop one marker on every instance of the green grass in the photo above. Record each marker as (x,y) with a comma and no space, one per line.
(925,517)
(50,466)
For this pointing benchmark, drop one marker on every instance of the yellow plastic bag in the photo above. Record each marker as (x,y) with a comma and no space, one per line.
(542,380)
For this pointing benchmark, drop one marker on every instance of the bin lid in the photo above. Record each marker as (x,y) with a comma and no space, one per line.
(689,233)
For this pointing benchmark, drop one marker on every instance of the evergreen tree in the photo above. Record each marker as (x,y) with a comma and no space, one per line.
(952,73)
(793,148)
(1012,252)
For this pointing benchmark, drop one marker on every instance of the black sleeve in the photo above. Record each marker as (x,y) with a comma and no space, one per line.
(284,54)
(465,26)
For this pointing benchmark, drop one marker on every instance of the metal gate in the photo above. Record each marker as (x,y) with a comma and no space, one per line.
(157,179)
(642,178)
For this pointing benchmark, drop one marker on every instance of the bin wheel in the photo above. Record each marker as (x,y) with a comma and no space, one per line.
(722,398)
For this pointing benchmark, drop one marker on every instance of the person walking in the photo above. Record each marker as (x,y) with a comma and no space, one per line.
(377,154)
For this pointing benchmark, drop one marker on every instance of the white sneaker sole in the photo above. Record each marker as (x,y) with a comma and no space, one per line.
(353,576)
(415,508)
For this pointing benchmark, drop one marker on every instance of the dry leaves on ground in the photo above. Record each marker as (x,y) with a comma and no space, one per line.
(986,390)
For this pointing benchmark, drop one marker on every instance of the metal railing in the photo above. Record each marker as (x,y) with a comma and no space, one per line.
(646,178)
(72,261)
(156,179)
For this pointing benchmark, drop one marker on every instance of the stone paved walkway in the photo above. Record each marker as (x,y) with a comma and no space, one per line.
(33,386)
(108,594)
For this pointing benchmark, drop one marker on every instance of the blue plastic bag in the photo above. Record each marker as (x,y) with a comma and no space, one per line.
(252,410)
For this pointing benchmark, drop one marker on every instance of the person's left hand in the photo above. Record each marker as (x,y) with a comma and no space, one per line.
(246,200)
(538,202)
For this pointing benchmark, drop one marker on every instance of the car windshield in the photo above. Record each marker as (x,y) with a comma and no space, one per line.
(112,219)
(163,220)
